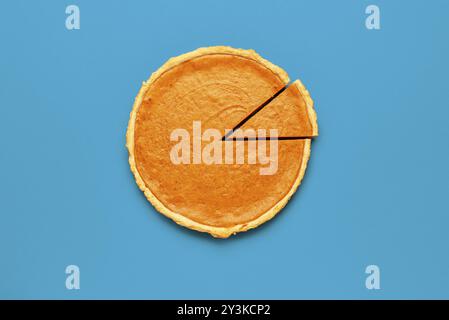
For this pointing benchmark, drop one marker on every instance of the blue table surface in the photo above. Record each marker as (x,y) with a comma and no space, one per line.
(375,192)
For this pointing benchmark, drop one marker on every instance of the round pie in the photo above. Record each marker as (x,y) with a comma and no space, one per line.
(216,88)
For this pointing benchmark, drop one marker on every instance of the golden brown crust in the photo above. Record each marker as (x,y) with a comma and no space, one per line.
(309,103)
(220,232)
(249,54)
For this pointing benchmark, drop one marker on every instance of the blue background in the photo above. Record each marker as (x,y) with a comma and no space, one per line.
(376,190)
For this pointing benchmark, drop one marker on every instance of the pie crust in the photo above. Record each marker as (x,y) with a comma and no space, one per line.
(218,226)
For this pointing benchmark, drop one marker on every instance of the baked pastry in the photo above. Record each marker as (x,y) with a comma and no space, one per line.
(216,87)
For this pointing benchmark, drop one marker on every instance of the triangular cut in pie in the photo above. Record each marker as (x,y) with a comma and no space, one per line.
(291,113)
(217,87)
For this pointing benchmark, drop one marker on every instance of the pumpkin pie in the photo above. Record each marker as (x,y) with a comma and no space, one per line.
(217,87)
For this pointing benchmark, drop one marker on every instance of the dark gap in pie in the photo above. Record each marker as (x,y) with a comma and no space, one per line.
(267,138)
(252,114)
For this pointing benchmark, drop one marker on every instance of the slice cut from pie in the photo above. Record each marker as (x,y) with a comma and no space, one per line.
(216,86)
(291,113)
